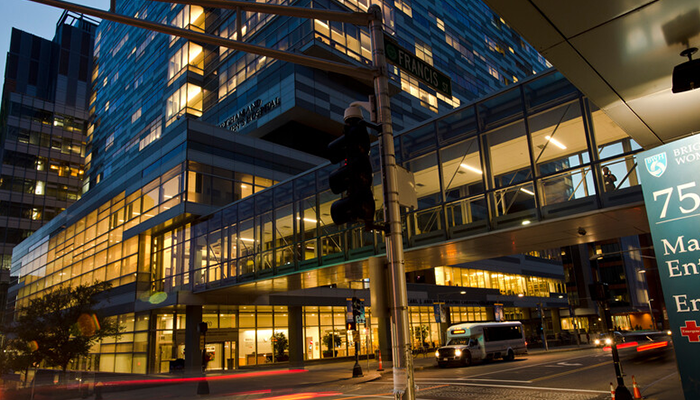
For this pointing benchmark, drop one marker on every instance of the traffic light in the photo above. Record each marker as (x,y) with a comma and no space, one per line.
(358,311)
(354,176)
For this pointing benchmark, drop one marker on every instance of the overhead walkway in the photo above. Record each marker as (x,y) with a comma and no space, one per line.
(521,170)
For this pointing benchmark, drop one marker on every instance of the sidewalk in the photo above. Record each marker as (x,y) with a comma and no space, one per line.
(340,372)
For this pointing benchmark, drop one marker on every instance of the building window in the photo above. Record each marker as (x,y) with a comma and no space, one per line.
(424,52)
(440,24)
(189,56)
(187,98)
(190,17)
(404,6)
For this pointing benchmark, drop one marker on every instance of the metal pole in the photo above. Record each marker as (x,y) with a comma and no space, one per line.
(356,369)
(404,385)
(544,333)
(367,339)
(621,391)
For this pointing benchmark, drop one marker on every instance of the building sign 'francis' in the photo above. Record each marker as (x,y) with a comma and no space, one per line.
(249,114)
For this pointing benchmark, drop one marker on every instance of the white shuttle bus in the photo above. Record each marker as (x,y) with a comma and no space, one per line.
(471,342)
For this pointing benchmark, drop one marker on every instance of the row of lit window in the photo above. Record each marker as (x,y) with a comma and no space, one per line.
(71,246)
(509,284)
(45,117)
(39,188)
(110,219)
(33,211)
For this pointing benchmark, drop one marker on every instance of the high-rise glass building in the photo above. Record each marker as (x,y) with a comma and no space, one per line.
(206,199)
(43,127)
(144,81)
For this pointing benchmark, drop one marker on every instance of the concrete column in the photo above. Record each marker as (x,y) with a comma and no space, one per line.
(296,337)
(380,299)
(490,315)
(193,354)
(445,325)
(556,320)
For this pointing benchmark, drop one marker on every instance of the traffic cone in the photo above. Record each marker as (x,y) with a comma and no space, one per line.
(635,389)
(98,390)
(380,361)
(612,391)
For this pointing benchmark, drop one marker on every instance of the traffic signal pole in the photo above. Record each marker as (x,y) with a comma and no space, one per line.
(404,383)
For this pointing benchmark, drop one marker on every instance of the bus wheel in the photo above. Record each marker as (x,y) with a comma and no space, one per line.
(510,356)
(467,359)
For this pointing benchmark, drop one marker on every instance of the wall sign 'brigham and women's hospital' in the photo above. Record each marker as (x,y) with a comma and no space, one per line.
(672,197)
(249,114)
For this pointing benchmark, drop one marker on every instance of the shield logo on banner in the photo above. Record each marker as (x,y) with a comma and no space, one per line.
(656,164)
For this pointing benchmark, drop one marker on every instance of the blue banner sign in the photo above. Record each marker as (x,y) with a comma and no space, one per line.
(498,314)
(439,312)
(671,186)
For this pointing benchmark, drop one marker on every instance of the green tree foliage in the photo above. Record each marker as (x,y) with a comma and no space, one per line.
(61,326)
(281,344)
(421,333)
(331,340)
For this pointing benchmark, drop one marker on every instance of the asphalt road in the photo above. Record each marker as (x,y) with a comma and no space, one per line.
(581,375)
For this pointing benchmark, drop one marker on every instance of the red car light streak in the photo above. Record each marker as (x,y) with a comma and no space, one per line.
(650,346)
(303,396)
(209,378)
(621,346)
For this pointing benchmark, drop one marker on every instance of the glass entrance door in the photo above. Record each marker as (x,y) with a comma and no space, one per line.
(222,356)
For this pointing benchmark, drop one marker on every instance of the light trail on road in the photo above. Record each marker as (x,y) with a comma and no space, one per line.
(542,378)
(553,389)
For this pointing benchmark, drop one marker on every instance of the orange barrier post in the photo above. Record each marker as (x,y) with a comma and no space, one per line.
(635,389)
(380,361)
(98,390)
(612,391)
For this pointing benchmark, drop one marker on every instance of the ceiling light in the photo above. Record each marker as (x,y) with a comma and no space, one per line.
(556,142)
(530,192)
(465,166)
(686,76)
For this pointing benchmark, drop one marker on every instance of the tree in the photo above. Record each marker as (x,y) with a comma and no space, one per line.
(331,340)
(421,334)
(16,356)
(281,344)
(62,325)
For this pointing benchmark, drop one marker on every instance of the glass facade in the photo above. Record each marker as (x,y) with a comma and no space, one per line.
(179,215)
(152,79)
(43,127)
(275,229)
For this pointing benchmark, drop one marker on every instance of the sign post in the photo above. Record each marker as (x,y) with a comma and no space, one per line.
(671,188)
